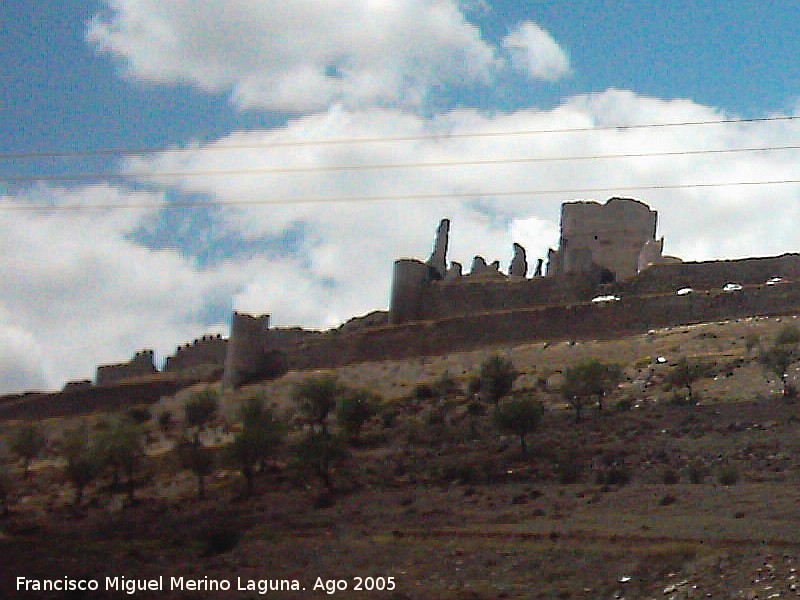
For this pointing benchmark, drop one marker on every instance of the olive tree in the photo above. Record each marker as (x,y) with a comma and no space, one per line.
(353,410)
(28,442)
(587,381)
(6,486)
(685,373)
(316,399)
(200,409)
(261,435)
(320,452)
(83,461)
(121,449)
(497,378)
(519,416)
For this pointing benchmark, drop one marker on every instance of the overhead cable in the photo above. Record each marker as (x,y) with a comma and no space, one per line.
(370,167)
(376,198)
(377,139)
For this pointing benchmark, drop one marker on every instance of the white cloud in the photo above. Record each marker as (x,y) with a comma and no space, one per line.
(78,292)
(535,51)
(301,55)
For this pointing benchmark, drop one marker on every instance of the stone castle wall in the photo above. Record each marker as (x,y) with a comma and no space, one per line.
(466,296)
(77,401)
(584,320)
(207,350)
(140,365)
(712,274)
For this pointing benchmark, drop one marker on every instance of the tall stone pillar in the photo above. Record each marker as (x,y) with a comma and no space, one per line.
(519,263)
(438,258)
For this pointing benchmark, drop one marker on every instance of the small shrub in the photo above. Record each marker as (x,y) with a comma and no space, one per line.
(201,409)
(751,341)
(697,472)
(788,336)
(463,473)
(678,399)
(624,405)
(670,477)
(424,391)
(165,421)
(138,414)
(569,469)
(221,540)
(728,476)
(668,500)
(615,476)
(28,442)
(389,418)
(355,408)
(474,385)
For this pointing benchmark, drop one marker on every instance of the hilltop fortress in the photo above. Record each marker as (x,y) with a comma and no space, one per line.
(607,278)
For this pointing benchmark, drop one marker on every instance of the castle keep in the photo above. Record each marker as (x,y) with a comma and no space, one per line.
(618,238)
(608,249)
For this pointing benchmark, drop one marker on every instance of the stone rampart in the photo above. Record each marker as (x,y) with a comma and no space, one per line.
(467,295)
(585,320)
(71,402)
(207,350)
(255,351)
(711,275)
(140,365)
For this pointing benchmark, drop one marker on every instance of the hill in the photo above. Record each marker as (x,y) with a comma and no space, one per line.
(652,494)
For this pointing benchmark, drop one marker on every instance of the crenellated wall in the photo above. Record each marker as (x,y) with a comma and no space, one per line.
(207,350)
(140,365)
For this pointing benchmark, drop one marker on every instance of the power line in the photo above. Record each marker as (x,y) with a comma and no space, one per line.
(369,167)
(374,140)
(375,198)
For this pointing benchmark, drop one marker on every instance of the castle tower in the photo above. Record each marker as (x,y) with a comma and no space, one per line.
(245,356)
(408,283)
(611,236)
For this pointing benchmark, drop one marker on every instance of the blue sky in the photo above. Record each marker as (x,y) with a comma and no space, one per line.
(92,286)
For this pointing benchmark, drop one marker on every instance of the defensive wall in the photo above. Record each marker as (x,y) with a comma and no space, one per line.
(712,274)
(584,320)
(141,364)
(604,249)
(207,350)
(71,402)
(465,296)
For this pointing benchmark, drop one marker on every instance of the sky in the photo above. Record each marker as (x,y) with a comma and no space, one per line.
(164,163)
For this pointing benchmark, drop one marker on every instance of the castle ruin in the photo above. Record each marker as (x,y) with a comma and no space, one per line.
(618,238)
(608,249)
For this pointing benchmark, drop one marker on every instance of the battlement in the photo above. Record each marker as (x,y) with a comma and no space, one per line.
(140,365)
(208,350)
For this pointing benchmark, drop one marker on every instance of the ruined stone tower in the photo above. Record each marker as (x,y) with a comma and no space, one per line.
(245,355)
(618,237)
